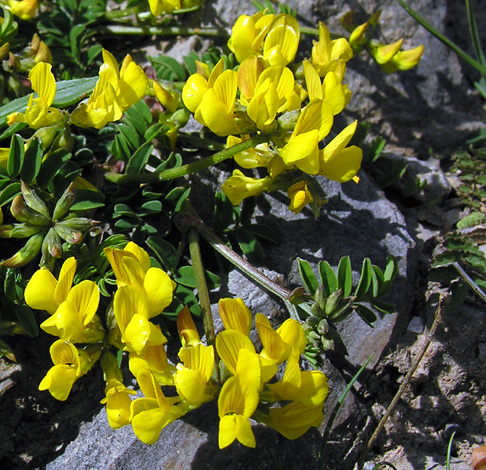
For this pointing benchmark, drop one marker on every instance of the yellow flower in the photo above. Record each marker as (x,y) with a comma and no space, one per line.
(168,99)
(302,150)
(299,196)
(307,387)
(132,316)
(164,6)
(236,403)
(277,345)
(282,40)
(24,9)
(154,359)
(192,376)
(117,396)
(330,55)
(404,60)
(254,157)
(75,319)
(294,420)
(248,34)
(149,415)
(338,162)
(275,37)
(115,91)
(213,100)
(132,268)
(70,363)
(235,315)
(45,292)
(187,328)
(39,112)
(238,186)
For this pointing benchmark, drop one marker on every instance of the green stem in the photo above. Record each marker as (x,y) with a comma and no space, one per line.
(202,287)
(194,167)
(117,14)
(163,31)
(188,220)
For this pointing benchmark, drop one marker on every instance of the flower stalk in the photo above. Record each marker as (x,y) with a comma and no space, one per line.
(189,168)
(202,287)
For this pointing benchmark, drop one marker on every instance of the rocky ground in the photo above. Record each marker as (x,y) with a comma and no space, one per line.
(423,112)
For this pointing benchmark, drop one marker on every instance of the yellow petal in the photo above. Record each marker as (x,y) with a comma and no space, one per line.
(43,82)
(187,328)
(85,296)
(235,315)
(228,345)
(39,293)
(293,334)
(158,287)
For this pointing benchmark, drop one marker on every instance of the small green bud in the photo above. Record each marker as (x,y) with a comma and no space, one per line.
(320,298)
(65,202)
(51,248)
(24,213)
(323,327)
(19,230)
(26,254)
(333,301)
(34,201)
(180,117)
(68,234)
(78,223)
(46,135)
(288,120)
(64,140)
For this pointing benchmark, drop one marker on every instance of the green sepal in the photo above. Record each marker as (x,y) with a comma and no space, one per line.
(26,254)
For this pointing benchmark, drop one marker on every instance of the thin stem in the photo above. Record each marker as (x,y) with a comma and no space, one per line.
(337,407)
(202,287)
(469,281)
(191,220)
(443,301)
(194,167)
(461,53)
(163,31)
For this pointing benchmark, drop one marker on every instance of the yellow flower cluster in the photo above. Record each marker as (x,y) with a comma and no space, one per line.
(143,292)
(241,383)
(115,91)
(293,105)
(390,57)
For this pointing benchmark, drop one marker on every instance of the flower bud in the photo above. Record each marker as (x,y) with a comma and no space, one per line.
(323,327)
(65,202)
(78,223)
(68,234)
(34,201)
(26,254)
(23,213)
(333,301)
(19,230)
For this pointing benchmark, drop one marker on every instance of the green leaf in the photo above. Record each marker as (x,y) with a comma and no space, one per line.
(377,280)
(367,315)
(185,276)
(328,278)
(223,212)
(308,277)
(364,280)
(153,131)
(9,193)
(168,68)
(471,220)
(345,276)
(27,320)
(86,205)
(384,307)
(391,269)
(123,209)
(139,159)
(51,165)
(250,246)
(32,161)
(16,156)
(130,134)
(165,252)
(150,207)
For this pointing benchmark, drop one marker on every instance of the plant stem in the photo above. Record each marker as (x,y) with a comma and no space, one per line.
(443,301)
(189,168)
(163,31)
(191,220)
(202,287)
